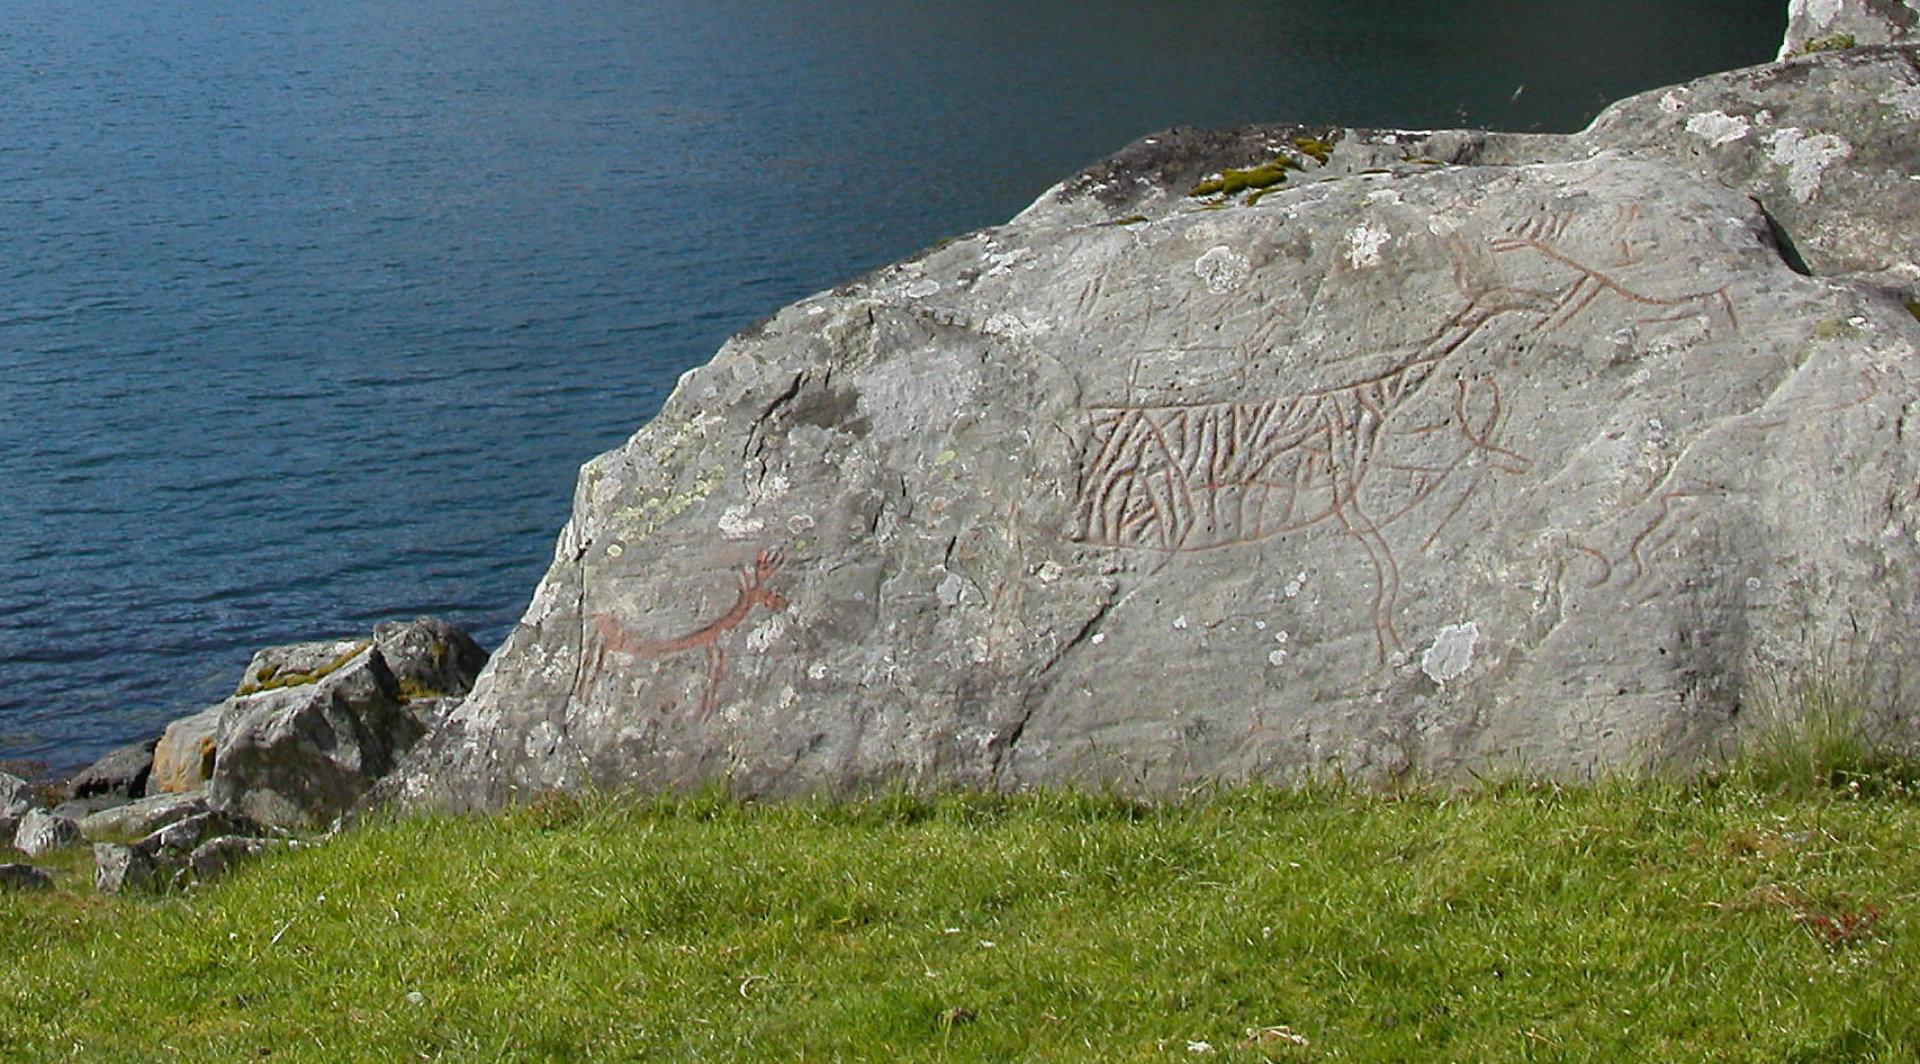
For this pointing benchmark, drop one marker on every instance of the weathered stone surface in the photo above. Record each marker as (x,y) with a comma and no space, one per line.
(1829,24)
(430,659)
(214,857)
(144,816)
(181,838)
(41,832)
(118,867)
(24,877)
(300,756)
(183,758)
(122,773)
(1453,448)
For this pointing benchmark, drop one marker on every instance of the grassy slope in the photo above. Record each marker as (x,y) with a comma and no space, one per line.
(1620,922)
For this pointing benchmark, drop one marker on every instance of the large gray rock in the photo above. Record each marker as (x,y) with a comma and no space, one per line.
(41,832)
(1816,25)
(1452,448)
(299,756)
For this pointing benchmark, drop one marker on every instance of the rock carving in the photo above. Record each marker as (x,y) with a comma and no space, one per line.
(616,639)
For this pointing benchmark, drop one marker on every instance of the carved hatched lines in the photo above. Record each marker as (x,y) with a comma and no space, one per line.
(1359,457)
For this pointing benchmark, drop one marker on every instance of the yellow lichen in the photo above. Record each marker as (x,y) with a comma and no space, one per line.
(272,679)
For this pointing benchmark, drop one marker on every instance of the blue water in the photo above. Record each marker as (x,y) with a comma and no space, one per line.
(309,311)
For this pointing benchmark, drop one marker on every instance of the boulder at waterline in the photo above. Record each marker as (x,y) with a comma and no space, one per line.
(426,665)
(16,795)
(297,757)
(41,832)
(183,758)
(1389,452)
(121,774)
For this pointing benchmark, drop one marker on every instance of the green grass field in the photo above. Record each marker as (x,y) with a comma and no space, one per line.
(1627,921)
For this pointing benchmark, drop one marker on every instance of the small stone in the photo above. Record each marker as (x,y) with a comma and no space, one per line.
(24,877)
(42,832)
(213,858)
(145,816)
(119,868)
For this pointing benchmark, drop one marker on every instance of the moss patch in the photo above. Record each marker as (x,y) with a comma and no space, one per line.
(1231,181)
(272,679)
(1913,308)
(1315,148)
(1835,42)
(412,690)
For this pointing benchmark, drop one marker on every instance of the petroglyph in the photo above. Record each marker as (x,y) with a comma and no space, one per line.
(1362,457)
(612,637)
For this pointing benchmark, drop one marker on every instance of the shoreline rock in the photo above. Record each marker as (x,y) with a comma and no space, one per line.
(1270,453)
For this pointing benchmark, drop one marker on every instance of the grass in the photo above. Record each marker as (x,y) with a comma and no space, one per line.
(1717,920)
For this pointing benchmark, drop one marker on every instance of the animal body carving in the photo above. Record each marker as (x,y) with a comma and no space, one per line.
(613,637)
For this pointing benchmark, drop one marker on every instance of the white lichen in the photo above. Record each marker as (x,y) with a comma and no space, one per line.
(1364,244)
(1223,269)
(736,522)
(1904,99)
(1805,157)
(1718,127)
(1451,652)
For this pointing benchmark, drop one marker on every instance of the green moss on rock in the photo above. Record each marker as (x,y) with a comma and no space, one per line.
(1231,181)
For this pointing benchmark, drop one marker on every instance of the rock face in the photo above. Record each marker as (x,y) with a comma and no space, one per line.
(1448,449)
(1814,25)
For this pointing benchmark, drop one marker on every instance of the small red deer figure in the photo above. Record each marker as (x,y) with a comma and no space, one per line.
(614,638)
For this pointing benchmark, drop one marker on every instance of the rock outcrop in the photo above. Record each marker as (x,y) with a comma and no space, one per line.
(195,848)
(299,756)
(1274,452)
(309,728)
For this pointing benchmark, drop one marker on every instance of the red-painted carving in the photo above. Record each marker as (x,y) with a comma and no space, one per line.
(612,637)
